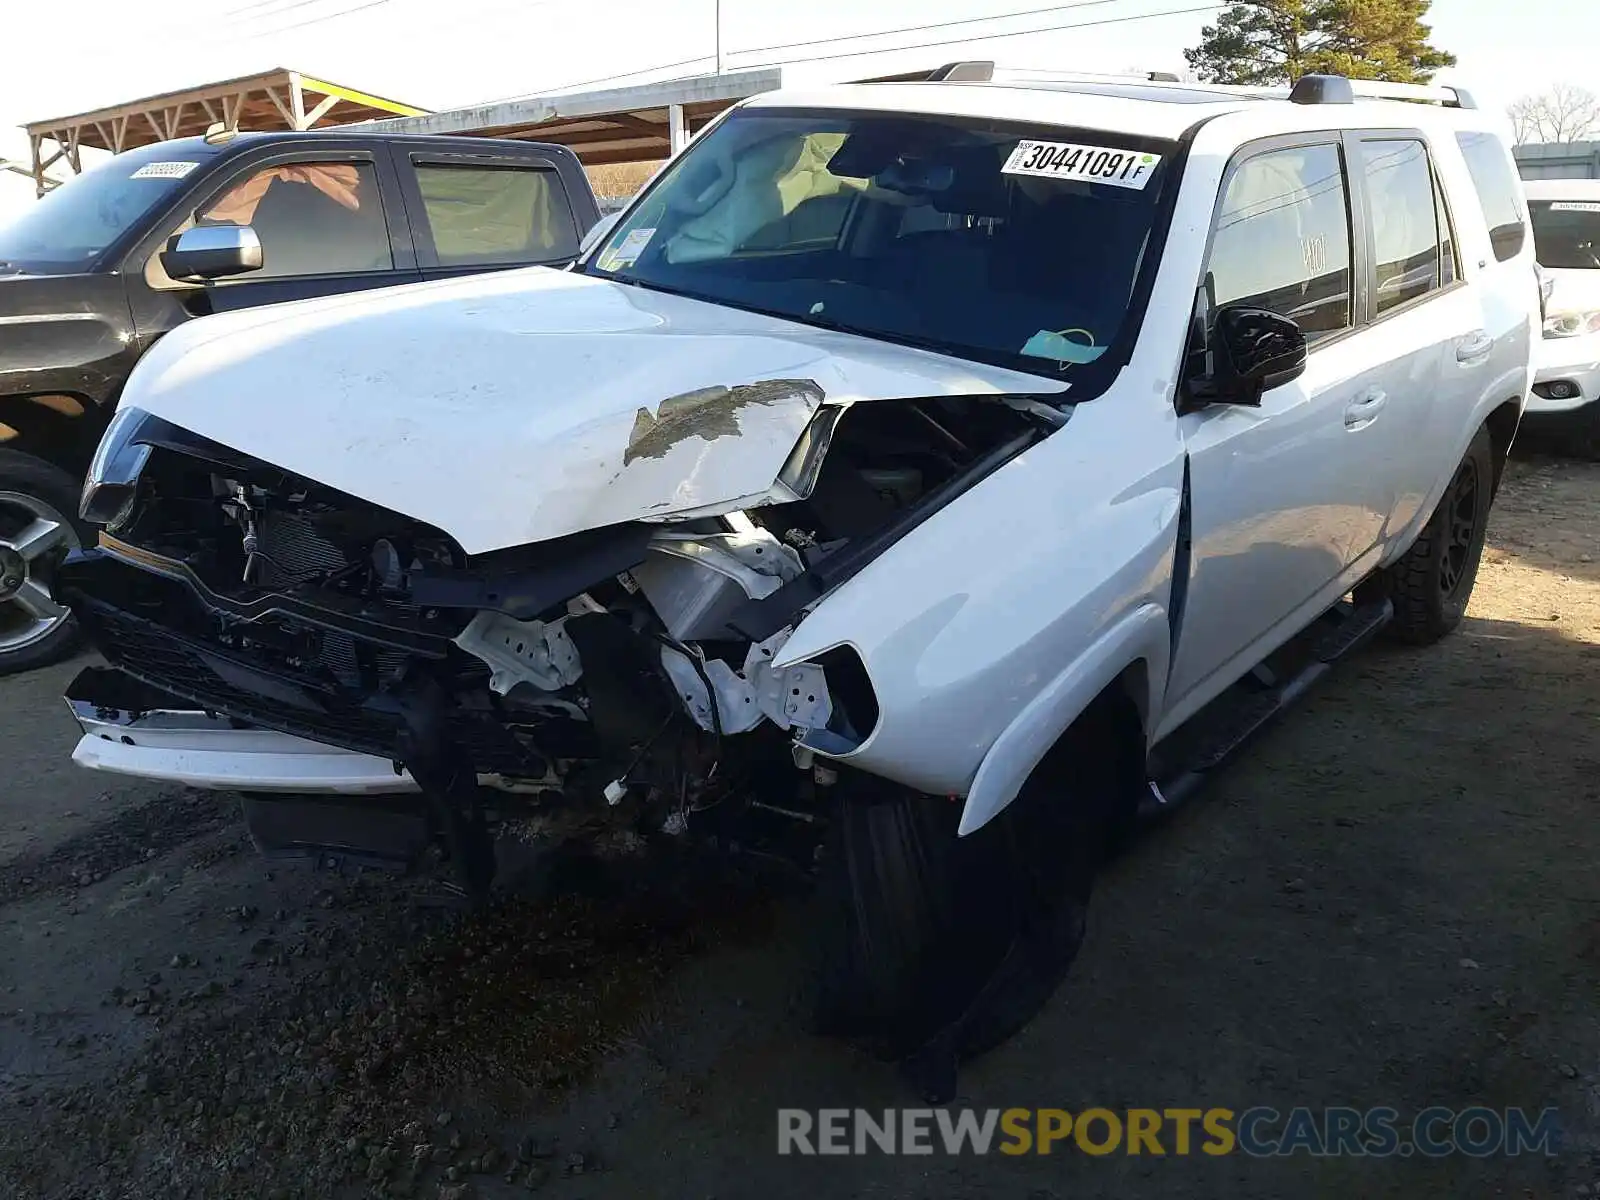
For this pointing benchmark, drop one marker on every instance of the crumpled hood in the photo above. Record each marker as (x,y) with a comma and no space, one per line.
(519,406)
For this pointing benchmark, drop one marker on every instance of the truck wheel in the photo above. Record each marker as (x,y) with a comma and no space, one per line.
(36,503)
(1431,584)
(932,941)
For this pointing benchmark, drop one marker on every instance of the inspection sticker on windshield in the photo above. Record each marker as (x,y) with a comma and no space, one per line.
(628,250)
(1575,206)
(1092,164)
(164,170)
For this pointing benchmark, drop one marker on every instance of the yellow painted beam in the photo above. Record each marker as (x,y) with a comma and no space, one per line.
(323,88)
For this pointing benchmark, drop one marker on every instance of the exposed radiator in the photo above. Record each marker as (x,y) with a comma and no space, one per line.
(292,549)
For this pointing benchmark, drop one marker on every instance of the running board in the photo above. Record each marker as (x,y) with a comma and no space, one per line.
(1184,761)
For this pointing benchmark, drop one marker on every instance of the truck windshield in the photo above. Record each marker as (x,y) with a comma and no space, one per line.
(71,226)
(1017,245)
(1566,233)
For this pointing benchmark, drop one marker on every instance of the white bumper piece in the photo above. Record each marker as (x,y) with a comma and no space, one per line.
(201,751)
(1575,361)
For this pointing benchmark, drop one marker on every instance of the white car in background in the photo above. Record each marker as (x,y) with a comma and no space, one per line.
(959,469)
(1565,402)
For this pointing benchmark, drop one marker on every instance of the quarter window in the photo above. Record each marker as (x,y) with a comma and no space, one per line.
(315,218)
(1496,185)
(483,216)
(1405,225)
(1282,238)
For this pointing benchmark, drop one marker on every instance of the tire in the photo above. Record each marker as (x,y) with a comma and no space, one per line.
(33,491)
(1431,584)
(930,940)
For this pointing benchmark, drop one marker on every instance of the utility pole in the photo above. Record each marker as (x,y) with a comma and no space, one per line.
(718,17)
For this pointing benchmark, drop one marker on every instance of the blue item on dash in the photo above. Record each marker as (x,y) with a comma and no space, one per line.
(1050,344)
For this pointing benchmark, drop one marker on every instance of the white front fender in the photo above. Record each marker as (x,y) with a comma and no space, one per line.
(1142,636)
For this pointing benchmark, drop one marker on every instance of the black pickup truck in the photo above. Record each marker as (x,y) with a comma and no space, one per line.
(105,264)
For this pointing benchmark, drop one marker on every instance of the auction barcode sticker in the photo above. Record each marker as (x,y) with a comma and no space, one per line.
(1092,164)
(164,170)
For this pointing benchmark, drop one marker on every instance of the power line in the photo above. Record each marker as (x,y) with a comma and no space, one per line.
(854,37)
(689,62)
(981,37)
(330,17)
(568,87)
(234,12)
(275,12)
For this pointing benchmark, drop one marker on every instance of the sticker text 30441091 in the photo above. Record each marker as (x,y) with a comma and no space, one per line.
(1092,164)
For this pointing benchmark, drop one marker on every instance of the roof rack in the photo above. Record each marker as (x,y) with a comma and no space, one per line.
(1029,74)
(974,71)
(983,71)
(1337,89)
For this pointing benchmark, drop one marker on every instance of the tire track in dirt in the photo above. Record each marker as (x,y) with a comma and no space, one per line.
(134,836)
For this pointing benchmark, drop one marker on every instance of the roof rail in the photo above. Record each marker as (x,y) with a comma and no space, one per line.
(1337,89)
(976,71)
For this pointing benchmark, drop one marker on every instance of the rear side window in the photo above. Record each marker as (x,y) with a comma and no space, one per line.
(1405,221)
(490,216)
(1497,188)
(313,218)
(1282,238)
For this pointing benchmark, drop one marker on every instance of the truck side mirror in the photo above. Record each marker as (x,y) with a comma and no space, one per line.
(1251,351)
(212,252)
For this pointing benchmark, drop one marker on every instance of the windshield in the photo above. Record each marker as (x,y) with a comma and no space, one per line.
(1566,233)
(69,227)
(1001,243)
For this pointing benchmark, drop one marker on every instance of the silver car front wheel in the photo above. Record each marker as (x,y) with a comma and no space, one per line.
(35,531)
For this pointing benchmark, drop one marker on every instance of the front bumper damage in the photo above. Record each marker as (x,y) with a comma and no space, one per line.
(430,757)
(130,728)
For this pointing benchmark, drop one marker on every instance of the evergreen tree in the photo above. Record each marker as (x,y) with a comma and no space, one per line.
(1257,42)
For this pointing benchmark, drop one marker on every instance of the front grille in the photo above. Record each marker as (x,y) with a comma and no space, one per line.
(186,668)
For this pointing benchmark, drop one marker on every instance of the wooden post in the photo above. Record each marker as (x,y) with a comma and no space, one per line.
(34,143)
(297,102)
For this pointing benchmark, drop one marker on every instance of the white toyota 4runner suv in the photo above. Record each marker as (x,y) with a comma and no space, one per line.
(928,478)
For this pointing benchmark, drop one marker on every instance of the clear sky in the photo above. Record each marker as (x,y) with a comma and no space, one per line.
(66,56)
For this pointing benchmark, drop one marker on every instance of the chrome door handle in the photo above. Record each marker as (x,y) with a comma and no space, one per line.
(1474,347)
(1363,409)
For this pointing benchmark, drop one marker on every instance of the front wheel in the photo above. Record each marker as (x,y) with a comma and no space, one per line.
(1432,582)
(36,527)
(937,947)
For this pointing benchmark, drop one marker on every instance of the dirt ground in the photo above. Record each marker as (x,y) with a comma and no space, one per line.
(1391,900)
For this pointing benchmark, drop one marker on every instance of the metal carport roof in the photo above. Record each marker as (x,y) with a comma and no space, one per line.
(640,123)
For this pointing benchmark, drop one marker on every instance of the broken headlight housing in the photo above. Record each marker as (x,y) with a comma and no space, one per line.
(112,484)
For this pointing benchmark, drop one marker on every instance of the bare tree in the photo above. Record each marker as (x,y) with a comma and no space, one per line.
(1563,114)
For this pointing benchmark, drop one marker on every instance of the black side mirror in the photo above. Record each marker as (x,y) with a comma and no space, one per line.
(212,252)
(1251,351)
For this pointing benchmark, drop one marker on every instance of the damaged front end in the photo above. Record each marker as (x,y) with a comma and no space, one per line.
(269,634)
